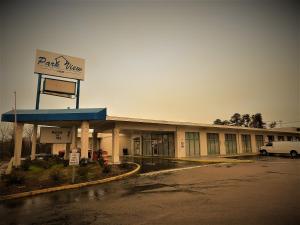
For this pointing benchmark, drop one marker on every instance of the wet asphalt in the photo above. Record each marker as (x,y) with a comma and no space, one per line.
(264,192)
(157,163)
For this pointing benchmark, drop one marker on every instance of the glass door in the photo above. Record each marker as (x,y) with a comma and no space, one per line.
(154,147)
(137,146)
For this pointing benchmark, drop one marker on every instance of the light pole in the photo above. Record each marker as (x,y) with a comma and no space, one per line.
(15,122)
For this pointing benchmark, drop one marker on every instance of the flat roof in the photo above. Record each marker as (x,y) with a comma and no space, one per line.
(191,124)
(100,114)
(46,115)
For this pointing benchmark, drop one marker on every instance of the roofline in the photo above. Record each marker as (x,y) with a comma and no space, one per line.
(54,115)
(190,124)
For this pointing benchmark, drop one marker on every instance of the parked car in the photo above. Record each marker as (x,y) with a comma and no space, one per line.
(281,147)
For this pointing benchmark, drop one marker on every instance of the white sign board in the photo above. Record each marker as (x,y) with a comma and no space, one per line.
(60,65)
(74,159)
(59,86)
(55,135)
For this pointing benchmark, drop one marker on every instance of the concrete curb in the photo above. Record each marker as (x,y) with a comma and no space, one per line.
(70,186)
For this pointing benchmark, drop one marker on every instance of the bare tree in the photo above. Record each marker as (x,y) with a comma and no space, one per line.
(273,124)
(6,131)
(28,131)
(6,136)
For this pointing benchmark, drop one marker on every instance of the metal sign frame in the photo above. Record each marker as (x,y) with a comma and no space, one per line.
(61,93)
(39,92)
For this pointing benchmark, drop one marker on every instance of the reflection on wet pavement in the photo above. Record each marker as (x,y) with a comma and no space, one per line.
(156,164)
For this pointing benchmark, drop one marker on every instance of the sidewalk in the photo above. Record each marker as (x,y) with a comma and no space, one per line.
(201,159)
(214,159)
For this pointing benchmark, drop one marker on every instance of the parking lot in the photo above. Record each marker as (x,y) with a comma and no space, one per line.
(263,192)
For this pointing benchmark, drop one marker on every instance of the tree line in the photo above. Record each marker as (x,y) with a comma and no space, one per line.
(7,140)
(244,120)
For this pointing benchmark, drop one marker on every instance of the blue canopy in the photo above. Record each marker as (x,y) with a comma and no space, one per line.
(46,115)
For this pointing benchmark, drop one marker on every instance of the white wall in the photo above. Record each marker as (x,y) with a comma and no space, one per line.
(106,143)
(58,147)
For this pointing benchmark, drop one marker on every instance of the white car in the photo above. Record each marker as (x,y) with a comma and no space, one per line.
(281,147)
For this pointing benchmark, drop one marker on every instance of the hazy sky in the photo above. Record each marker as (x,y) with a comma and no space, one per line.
(174,60)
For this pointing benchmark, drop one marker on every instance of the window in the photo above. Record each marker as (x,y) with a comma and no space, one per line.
(230,144)
(289,138)
(136,146)
(259,141)
(147,149)
(171,150)
(213,147)
(246,143)
(192,145)
(280,138)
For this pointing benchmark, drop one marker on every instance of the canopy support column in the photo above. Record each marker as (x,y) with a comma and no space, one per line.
(33,142)
(115,146)
(18,144)
(84,139)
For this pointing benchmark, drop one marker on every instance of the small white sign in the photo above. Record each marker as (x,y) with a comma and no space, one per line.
(74,159)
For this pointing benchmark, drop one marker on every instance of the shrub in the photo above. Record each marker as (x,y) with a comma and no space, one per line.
(26,164)
(101,162)
(125,166)
(61,154)
(83,171)
(106,169)
(83,162)
(56,175)
(35,169)
(17,177)
(54,160)
(66,163)
(41,163)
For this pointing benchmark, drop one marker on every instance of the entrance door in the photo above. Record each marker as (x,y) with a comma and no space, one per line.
(158,144)
(154,147)
(137,146)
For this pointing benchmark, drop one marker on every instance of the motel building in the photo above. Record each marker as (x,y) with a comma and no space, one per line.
(93,129)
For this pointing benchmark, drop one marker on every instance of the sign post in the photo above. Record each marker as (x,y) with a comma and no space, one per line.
(38,92)
(74,161)
(78,93)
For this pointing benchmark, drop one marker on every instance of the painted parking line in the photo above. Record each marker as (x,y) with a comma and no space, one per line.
(179,169)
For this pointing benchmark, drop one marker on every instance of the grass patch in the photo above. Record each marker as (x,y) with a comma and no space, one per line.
(35,169)
(58,166)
